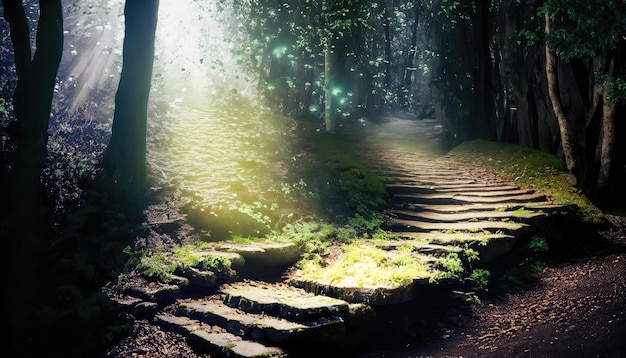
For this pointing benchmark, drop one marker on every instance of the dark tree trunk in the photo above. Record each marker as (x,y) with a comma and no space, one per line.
(483,126)
(410,62)
(32,102)
(124,161)
(568,142)
(388,55)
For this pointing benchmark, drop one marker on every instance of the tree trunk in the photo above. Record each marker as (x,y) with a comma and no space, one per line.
(388,54)
(403,97)
(483,126)
(568,142)
(608,136)
(124,161)
(32,102)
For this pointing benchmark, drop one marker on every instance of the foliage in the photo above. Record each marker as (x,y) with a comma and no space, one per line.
(160,265)
(585,26)
(284,42)
(216,264)
(157,265)
(526,270)
(616,90)
(538,245)
(480,278)
(534,263)
(543,172)
(451,265)
(356,191)
(314,238)
(183,256)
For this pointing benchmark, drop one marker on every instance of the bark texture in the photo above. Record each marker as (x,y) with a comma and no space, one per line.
(568,142)
(32,102)
(124,161)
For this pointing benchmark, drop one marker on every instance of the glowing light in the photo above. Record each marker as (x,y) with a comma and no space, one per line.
(279,51)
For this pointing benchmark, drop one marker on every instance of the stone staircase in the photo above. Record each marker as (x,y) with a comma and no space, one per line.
(242,317)
(462,204)
(437,205)
(254,319)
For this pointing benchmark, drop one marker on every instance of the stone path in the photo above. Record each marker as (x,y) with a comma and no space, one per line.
(442,200)
(437,205)
(459,203)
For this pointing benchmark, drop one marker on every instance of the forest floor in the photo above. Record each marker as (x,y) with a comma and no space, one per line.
(576,307)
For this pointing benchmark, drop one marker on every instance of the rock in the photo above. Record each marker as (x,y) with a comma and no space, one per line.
(263,259)
(262,326)
(237,261)
(370,295)
(146,309)
(220,343)
(282,301)
(495,248)
(265,253)
(204,279)
(233,346)
(161,293)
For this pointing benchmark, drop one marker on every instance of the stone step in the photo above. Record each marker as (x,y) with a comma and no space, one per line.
(412,225)
(411,179)
(255,259)
(419,246)
(433,216)
(403,188)
(262,326)
(207,339)
(457,208)
(441,187)
(476,198)
(483,192)
(455,238)
(489,247)
(283,301)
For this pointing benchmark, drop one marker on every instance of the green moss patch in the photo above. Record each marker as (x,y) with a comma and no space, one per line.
(362,264)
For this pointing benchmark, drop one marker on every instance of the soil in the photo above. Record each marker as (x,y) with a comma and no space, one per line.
(575,307)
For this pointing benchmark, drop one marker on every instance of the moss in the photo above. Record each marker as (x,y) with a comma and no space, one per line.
(156,264)
(365,265)
(450,265)
(217,264)
(528,168)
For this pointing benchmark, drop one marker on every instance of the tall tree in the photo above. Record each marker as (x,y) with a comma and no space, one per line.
(568,141)
(590,32)
(124,161)
(32,102)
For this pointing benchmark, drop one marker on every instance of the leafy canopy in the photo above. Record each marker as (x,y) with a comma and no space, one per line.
(585,26)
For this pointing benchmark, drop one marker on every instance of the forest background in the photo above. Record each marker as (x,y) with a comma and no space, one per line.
(543,74)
